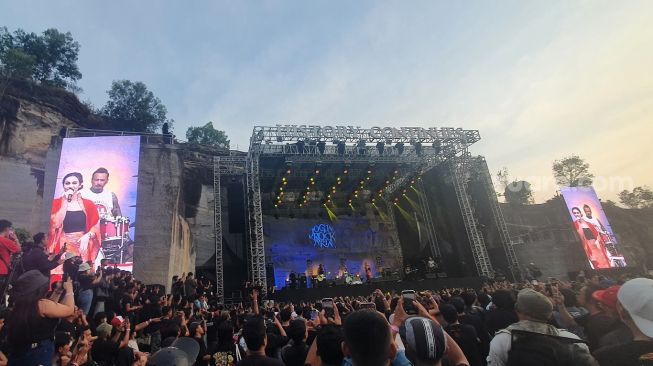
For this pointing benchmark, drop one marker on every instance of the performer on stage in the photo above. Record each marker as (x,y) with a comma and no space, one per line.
(431,266)
(368,272)
(74,220)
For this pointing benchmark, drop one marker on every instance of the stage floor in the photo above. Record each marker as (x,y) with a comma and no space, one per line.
(310,294)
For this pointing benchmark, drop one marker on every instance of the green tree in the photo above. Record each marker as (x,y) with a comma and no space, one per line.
(49,58)
(134,108)
(518,193)
(207,135)
(572,171)
(640,197)
(23,235)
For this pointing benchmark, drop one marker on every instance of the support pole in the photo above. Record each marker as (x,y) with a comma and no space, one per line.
(459,173)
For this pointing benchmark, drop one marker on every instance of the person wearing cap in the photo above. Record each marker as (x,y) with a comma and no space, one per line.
(182,352)
(534,310)
(33,319)
(86,281)
(621,333)
(425,341)
(106,346)
(37,258)
(635,308)
(601,319)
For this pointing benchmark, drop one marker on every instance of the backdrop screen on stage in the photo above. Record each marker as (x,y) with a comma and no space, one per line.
(593,228)
(94,206)
(343,248)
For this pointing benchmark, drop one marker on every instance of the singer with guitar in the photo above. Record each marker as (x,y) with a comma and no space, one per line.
(75,221)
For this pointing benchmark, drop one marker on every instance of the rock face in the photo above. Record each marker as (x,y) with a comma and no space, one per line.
(27,129)
(164,241)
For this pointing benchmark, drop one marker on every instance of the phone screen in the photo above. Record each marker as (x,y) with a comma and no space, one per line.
(327,305)
(409,298)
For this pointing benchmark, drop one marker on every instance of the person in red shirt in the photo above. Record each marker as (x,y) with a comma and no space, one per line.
(9,244)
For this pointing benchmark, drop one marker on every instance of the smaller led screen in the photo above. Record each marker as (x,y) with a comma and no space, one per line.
(593,228)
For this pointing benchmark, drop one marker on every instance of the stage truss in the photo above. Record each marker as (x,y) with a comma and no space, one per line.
(480,165)
(222,166)
(460,175)
(419,148)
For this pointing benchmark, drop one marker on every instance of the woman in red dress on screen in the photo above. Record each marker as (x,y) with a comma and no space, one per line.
(591,241)
(75,221)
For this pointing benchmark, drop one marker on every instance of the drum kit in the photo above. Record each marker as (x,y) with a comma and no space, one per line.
(353,279)
(114,232)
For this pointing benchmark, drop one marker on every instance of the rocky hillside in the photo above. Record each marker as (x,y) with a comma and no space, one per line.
(30,115)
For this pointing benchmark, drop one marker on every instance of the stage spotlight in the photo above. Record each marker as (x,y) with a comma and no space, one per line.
(317,171)
(418,148)
(362,148)
(437,147)
(300,146)
(400,147)
(283,179)
(321,146)
(288,171)
(341,148)
(380,146)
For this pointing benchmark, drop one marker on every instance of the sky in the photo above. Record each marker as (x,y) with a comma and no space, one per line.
(539,80)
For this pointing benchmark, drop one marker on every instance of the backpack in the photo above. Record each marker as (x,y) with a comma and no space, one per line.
(536,349)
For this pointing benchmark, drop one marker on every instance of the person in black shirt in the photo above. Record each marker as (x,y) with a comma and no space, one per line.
(464,334)
(196,330)
(504,313)
(256,339)
(294,353)
(37,259)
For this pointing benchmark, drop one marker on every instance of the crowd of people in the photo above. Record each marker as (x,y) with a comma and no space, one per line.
(105,316)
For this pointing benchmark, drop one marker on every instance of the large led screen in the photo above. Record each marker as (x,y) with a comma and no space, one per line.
(94,207)
(593,228)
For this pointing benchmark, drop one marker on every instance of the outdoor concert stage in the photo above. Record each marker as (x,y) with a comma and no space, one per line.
(348,198)
(296,295)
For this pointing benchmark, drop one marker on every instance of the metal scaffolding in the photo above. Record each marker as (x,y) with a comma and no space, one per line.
(504,234)
(217,227)
(460,176)
(255,213)
(222,166)
(428,220)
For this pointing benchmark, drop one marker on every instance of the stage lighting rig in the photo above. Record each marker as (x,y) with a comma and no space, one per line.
(380,147)
(340,147)
(418,148)
(437,147)
(400,147)
(300,146)
(362,147)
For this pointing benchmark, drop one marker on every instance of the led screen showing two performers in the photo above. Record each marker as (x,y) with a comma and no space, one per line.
(312,253)
(94,207)
(593,228)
